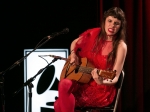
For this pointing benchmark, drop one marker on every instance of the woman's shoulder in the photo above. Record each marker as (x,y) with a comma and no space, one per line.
(94,29)
(91,31)
(122,45)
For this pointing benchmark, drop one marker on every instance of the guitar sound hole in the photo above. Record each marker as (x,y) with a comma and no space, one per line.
(77,69)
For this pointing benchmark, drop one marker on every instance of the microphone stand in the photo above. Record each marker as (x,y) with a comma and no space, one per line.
(66,30)
(30,85)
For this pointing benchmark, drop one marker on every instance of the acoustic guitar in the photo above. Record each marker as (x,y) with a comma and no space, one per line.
(82,72)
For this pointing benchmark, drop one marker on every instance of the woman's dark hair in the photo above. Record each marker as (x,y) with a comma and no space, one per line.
(116,12)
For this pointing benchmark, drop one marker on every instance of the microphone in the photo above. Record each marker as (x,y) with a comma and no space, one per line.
(57,57)
(64,31)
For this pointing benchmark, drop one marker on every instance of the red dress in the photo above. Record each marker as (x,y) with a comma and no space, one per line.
(92,94)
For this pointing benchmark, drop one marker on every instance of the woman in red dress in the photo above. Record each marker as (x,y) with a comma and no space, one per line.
(105,48)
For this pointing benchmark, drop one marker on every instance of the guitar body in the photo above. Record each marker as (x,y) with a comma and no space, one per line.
(72,71)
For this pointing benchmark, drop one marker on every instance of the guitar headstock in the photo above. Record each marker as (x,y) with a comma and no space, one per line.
(108,74)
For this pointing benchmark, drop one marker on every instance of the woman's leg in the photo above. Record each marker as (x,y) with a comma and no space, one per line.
(57,106)
(66,100)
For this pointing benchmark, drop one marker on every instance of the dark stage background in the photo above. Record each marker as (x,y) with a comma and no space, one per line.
(25,23)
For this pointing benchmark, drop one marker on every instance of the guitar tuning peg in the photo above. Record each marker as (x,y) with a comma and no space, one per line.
(115,71)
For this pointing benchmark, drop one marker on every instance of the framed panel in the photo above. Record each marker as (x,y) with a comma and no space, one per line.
(45,83)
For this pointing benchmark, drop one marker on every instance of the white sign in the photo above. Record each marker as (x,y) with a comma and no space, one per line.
(45,72)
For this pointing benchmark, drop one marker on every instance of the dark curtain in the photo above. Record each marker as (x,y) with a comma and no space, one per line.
(135,96)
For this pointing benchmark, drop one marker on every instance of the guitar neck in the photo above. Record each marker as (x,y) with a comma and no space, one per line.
(85,69)
(102,73)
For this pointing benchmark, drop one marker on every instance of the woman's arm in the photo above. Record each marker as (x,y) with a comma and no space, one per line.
(73,57)
(120,59)
(72,46)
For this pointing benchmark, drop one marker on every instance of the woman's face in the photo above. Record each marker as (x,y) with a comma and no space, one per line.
(112,25)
